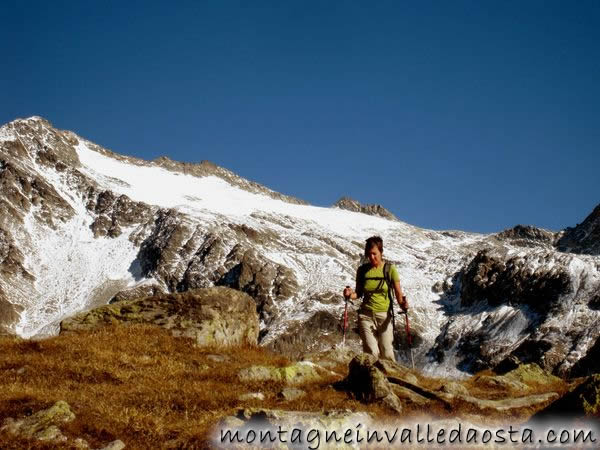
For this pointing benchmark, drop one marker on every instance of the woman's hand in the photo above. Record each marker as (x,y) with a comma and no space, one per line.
(348,291)
(400,296)
(403,303)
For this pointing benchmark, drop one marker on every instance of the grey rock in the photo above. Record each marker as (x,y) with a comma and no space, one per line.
(252,396)
(289,394)
(211,316)
(114,445)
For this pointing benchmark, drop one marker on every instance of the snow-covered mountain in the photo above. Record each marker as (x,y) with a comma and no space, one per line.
(82,226)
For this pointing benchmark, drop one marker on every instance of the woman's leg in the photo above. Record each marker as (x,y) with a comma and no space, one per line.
(385,335)
(367,328)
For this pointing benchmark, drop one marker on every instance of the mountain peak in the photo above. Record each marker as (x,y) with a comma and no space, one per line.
(584,237)
(32,119)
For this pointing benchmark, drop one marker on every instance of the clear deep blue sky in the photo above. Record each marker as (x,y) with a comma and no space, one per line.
(472,115)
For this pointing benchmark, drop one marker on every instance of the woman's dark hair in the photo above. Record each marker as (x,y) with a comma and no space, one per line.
(374,241)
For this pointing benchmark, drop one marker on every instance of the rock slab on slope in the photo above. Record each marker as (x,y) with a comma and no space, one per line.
(211,316)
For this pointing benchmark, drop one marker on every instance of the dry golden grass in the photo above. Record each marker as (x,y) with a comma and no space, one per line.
(140,384)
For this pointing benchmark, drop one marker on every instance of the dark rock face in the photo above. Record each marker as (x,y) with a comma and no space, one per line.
(513,281)
(584,238)
(9,313)
(373,210)
(19,191)
(536,306)
(265,281)
(590,363)
(211,316)
(11,258)
(115,212)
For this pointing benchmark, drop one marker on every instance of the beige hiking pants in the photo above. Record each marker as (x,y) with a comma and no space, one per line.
(376,333)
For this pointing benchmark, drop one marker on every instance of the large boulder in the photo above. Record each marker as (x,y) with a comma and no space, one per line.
(211,316)
(368,383)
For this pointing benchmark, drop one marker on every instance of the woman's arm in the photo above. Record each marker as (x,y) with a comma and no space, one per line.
(358,292)
(400,296)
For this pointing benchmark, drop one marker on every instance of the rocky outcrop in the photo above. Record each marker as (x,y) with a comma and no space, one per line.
(211,316)
(43,425)
(373,210)
(368,383)
(113,213)
(513,280)
(265,281)
(20,190)
(511,304)
(11,258)
(583,238)
(528,236)
(395,387)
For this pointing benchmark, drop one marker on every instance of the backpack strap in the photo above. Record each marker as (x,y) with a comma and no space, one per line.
(387,275)
(362,270)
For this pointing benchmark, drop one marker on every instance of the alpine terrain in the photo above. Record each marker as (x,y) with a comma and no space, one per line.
(81,226)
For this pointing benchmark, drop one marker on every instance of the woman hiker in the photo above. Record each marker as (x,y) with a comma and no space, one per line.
(375,315)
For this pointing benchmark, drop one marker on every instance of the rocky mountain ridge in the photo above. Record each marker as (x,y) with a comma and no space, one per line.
(374,210)
(82,226)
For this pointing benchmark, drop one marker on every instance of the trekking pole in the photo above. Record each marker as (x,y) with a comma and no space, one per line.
(408,335)
(345,318)
(394,335)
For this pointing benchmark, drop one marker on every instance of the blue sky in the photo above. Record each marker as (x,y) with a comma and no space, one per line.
(472,115)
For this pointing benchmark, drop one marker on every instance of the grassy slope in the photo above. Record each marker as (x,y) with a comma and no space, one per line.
(140,384)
